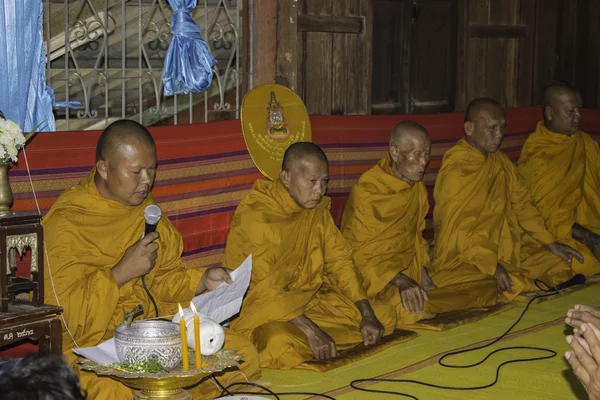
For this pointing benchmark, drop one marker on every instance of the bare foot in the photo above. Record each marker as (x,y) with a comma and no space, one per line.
(426,282)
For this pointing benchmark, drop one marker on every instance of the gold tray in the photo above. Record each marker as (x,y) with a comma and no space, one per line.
(163,385)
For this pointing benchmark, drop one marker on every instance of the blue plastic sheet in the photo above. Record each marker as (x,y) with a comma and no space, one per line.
(188,64)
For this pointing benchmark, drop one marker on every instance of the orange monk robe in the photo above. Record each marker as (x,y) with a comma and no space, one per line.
(562,173)
(384,221)
(482,209)
(86,234)
(301,266)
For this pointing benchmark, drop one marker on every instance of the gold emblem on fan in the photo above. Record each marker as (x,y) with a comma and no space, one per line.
(273,117)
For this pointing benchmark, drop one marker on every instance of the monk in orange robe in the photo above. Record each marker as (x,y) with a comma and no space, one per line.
(483,209)
(561,166)
(306,298)
(96,257)
(384,221)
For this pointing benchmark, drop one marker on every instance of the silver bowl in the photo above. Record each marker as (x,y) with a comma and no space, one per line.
(149,340)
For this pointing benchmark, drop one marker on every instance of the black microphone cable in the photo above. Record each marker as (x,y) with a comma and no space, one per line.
(548,354)
(150,295)
(225,391)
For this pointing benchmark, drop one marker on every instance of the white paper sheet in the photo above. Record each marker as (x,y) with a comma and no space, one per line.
(225,301)
(103,354)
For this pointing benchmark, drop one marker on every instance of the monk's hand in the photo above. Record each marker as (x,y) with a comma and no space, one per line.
(426,281)
(584,358)
(138,260)
(596,251)
(503,281)
(587,237)
(371,329)
(581,314)
(321,344)
(565,252)
(413,296)
(593,243)
(213,278)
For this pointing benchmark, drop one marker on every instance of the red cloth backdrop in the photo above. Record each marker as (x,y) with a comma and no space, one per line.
(205,170)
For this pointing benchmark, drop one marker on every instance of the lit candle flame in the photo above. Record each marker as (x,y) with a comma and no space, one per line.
(180,310)
(193,308)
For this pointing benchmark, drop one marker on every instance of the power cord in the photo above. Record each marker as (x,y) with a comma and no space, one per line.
(549,354)
(149,295)
(226,392)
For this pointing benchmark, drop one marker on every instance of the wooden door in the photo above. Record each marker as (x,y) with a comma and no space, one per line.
(433,56)
(324,53)
(414,56)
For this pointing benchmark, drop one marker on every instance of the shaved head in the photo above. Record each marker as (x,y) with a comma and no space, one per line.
(125,163)
(562,108)
(406,130)
(476,106)
(299,151)
(118,133)
(305,174)
(553,92)
(410,148)
(485,122)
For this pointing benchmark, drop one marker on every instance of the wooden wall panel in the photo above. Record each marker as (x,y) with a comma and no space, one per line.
(462,54)
(382,57)
(545,46)
(591,87)
(391,61)
(499,61)
(265,17)
(337,68)
(287,43)
(526,53)
(587,76)
(433,83)
(566,40)
(318,63)
(476,63)
(351,84)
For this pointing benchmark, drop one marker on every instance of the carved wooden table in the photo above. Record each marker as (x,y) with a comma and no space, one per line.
(25,321)
(22,319)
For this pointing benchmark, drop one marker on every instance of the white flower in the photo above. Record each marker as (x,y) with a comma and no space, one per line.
(12,152)
(3,154)
(11,141)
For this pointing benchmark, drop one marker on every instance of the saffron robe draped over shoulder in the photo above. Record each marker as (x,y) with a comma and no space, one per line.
(383,222)
(86,235)
(562,173)
(301,266)
(482,210)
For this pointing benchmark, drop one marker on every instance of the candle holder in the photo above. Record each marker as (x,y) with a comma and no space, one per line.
(166,385)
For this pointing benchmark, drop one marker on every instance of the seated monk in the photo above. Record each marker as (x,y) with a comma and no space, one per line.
(483,208)
(96,257)
(560,165)
(384,221)
(306,298)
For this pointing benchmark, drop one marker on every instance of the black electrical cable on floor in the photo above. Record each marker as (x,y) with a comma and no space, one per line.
(226,392)
(549,354)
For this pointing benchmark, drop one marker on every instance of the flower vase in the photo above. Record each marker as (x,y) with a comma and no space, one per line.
(6,195)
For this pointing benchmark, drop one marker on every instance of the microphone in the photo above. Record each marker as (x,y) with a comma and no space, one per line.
(152,215)
(578,279)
